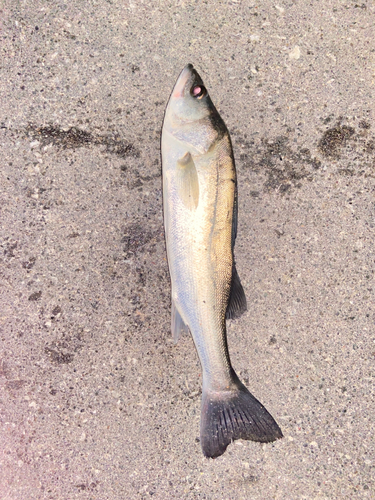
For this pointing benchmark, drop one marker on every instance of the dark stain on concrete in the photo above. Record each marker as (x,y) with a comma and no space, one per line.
(283,166)
(334,139)
(353,150)
(74,138)
(35,296)
(14,384)
(287,166)
(56,310)
(59,357)
(9,248)
(29,264)
(137,237)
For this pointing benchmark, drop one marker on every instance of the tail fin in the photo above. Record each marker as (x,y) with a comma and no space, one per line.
(234,414)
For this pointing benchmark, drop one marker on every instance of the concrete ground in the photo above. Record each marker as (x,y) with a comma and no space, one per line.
(96,400)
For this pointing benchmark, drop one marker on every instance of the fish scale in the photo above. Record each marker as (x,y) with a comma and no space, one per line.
(200,220)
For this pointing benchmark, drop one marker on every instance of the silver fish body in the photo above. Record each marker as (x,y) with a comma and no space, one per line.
(200,220)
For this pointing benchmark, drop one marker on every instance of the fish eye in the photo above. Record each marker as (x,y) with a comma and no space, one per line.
(198,91)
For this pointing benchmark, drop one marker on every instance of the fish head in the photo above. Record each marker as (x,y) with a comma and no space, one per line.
(189,100)
(191,116)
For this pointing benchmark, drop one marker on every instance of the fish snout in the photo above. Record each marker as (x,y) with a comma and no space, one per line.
(183,80)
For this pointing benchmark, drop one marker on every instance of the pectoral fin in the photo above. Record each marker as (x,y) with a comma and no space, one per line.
(187,181)
(178,325)
(237,300)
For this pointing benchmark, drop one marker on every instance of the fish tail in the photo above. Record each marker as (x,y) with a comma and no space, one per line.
(234,414)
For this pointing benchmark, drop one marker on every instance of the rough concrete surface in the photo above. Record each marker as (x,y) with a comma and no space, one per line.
(96,400)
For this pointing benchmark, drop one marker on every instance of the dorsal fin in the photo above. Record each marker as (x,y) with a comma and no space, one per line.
(237,300)
(235,216)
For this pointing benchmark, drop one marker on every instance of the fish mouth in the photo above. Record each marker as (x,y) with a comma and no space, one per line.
(188,77)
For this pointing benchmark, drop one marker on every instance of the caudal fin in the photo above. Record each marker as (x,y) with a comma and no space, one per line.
(234,414)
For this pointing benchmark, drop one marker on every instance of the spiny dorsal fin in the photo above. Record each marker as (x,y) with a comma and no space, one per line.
(237,300)
(187,181)
(235,215)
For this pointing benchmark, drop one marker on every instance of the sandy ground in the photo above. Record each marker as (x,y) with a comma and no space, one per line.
(96,400)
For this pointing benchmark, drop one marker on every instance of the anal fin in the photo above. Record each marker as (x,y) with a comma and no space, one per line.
(178,325)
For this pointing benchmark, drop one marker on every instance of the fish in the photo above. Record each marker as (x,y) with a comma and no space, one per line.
(200,207)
